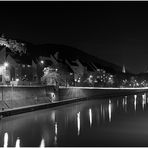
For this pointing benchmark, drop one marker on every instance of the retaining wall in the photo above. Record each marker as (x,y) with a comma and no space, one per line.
(82,92)
(18,96)
(18,93)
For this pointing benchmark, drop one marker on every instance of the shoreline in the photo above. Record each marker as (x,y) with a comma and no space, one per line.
(39,106)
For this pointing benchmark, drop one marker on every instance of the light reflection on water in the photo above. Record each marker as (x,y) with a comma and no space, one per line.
(17,145)
(135,101)
(143,100)
(116,121)
(90,117)
(42,145)
(5,140)
(78,123)
(56,134)
(110,110)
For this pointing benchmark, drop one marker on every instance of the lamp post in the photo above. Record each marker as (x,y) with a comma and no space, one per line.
(39,70)
(6,64)
(4,73)
(11,94)
(5,70)
(42,62)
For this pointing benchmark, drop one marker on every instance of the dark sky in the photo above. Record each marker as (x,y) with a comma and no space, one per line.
(114,31)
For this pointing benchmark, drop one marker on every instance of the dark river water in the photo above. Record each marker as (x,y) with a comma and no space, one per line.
(116,121)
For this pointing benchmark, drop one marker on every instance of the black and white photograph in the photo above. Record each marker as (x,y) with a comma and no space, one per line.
(73,74)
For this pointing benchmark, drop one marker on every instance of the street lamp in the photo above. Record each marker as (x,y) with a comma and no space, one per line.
(6,64)
(40,72)
(4,73)
(42,62)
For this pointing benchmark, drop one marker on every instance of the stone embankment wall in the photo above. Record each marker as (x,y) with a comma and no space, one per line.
(82,92)
(18,96)
(8,93)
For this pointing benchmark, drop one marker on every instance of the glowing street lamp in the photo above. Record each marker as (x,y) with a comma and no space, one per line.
(90,76)
(42,62)
(4,72)
(17,79)
(6,64)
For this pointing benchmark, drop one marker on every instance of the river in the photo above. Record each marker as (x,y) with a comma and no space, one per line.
(111,121)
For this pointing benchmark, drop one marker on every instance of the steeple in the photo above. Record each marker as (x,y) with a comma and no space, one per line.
(123,69)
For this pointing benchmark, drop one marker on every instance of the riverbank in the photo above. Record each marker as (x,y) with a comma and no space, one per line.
(66,95)
(83,92)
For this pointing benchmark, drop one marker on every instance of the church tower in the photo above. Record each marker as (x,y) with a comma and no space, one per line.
(123,69)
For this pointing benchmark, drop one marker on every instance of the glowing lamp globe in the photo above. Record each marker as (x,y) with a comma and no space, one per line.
(42,62)
(6,64)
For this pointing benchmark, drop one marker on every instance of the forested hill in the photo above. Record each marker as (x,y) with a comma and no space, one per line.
(63,54)
(71,54)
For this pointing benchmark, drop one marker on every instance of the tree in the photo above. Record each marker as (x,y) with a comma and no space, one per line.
(13,45)
(17,47)
(63,73)
(50,76)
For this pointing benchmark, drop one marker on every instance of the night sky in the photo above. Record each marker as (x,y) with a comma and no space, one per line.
(114,31)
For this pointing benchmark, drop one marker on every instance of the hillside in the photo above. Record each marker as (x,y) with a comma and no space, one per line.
(65,53)
(71,54)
